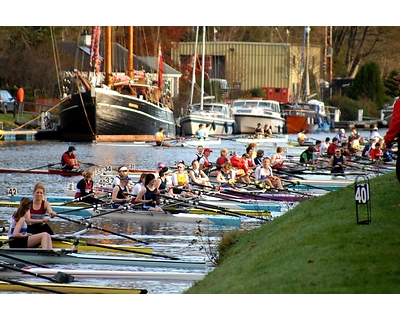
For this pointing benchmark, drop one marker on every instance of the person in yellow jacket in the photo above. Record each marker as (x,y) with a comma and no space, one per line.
(160,137)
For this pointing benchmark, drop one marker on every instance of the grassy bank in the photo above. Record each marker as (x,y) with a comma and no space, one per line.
(318,247)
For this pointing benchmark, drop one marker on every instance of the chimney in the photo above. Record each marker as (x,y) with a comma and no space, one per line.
(86,38)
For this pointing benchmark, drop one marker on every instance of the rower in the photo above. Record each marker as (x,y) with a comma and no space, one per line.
(69,160)
(337,162)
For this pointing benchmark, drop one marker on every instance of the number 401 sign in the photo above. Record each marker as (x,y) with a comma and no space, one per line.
(362,193)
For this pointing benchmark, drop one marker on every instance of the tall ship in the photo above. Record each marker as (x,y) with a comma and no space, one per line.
(119,108)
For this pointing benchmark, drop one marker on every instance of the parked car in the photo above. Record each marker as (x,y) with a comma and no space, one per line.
(7,101)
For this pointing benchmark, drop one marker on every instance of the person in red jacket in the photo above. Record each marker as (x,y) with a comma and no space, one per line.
(393,133)
(69,160)
(332,147)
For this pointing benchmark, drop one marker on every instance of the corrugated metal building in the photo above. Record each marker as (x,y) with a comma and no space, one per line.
(249,65)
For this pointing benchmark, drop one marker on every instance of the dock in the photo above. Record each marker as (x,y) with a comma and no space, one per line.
(39,134)
(10,135)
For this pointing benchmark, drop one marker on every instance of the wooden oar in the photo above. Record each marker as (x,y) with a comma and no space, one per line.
(45,166)
(90,225)
(59,277)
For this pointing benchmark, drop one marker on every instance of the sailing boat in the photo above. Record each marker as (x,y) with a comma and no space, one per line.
(123,108)
(217,115)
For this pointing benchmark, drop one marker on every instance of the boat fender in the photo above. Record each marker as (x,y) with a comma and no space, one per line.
(20,95)
(234,127)
(226,127)
(213,125)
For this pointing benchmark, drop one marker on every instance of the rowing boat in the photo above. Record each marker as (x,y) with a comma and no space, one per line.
(104,274)
(181,217)
(66,288)
(200,142)
(81,245)
(64,173)
(62,256)
(266,142)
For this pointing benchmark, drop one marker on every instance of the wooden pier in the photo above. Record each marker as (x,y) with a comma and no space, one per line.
(11,135)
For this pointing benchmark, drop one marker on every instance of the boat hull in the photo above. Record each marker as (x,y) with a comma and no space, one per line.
(106,274)
(218,115)
(66,288)
(46,256)
(111,116)
(246,123)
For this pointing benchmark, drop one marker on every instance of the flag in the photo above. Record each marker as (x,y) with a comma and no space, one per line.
(215,34)
(160,69)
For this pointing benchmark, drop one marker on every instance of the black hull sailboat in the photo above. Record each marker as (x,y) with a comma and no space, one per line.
(111,116)
(124,108)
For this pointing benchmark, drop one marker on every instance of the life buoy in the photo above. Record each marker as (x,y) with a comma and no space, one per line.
(20,95)
(226,127)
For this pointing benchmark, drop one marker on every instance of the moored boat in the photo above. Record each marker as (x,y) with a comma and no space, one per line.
(217,115)
(118,108)
(248,113)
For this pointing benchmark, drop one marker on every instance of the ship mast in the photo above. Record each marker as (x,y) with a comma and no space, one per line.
(108,77)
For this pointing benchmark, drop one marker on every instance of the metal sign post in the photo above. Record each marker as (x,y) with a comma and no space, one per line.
(362,198)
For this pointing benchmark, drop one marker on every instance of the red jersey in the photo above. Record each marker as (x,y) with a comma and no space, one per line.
(376,154)
(394,127)
(239,163)
(331,149)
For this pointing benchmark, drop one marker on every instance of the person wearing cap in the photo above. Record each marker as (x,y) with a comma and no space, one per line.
(205,163)
(149,196)
(374,135)
(120,193)
(69,160)
(337,162)
(301,136)
(393,132)
(259,131)
(341,136)
(123,172)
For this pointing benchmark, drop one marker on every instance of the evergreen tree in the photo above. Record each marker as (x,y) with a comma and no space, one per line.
(368,84)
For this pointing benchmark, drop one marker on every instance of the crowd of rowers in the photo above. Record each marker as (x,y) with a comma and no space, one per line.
(342,149)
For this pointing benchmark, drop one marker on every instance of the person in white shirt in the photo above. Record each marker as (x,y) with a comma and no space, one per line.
(374,135)
(325,145)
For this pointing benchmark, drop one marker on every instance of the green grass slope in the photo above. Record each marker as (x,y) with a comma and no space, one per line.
(318,247)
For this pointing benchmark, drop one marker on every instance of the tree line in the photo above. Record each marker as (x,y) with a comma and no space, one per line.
(29,57)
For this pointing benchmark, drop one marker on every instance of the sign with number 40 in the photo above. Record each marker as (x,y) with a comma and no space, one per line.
(362,193)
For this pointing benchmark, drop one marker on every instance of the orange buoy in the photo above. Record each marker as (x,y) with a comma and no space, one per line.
(20,95)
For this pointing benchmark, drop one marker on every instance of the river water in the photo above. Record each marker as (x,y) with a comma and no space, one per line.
(181,240)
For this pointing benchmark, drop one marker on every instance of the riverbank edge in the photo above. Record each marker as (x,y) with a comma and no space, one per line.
(318,247)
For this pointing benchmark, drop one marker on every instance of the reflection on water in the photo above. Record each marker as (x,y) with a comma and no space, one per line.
(177,240)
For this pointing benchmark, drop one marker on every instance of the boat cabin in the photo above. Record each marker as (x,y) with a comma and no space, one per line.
(255,106)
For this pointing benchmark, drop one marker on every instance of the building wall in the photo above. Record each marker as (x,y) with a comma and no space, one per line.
(254,65)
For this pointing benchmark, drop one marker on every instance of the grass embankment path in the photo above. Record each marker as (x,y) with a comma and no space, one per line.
(318,247)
